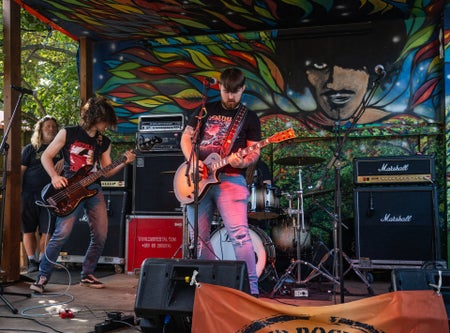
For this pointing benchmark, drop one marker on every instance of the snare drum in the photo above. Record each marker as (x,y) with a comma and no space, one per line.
(262,244)
(264,202)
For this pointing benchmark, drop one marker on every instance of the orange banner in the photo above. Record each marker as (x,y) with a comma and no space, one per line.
(220,309)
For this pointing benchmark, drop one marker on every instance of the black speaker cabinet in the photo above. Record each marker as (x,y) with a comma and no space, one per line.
(121,181)
(397,224)
(164,294)
(153,183)
(423,279)
(114,252)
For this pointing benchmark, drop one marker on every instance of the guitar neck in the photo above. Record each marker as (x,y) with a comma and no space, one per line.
(224,161)
(88,180)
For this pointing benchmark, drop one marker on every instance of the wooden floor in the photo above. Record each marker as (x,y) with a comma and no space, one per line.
(90,307)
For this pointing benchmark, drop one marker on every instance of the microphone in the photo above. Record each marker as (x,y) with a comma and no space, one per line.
(24,90)
(379,70)
(210,80)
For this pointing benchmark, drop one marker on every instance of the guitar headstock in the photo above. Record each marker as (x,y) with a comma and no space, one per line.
(282,136)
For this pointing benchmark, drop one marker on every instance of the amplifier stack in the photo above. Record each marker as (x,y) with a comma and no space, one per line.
(156,224)
(396,214)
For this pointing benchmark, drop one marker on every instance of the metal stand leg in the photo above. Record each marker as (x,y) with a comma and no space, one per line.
(300,226)
(7,302)
(351,267)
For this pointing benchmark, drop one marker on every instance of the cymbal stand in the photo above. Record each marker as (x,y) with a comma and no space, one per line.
(299,225)
(333,252)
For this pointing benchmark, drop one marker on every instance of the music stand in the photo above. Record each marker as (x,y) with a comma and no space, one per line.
(4,147)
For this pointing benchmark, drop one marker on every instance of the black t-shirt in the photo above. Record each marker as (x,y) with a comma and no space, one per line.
(35,176)
(81,150)
(215,128)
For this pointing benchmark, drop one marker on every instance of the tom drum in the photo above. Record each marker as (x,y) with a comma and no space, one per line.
(264,202)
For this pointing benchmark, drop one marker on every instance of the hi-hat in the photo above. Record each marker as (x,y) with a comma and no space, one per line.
(299,160)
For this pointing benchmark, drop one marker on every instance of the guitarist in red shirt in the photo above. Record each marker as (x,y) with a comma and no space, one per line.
(226,127)
(85,151)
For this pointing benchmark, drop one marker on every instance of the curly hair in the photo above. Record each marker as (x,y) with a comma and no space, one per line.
(95,110)
(36,138)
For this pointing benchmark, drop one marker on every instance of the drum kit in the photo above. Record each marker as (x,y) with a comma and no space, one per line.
(292,234)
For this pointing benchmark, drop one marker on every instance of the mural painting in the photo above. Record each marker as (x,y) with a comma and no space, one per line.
(317,83)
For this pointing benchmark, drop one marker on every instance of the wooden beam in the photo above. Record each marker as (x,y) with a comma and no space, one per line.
(85,69)
(10,256)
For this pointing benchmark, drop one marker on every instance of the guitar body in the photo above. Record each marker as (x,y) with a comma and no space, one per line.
(184,184)
(63,201)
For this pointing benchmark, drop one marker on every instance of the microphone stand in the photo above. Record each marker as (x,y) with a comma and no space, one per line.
(336,163)
(4,148)
(195,152)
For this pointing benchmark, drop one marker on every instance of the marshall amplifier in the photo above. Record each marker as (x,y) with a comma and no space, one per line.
(394,170)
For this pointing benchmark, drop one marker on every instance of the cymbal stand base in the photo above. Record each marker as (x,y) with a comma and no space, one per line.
(351,267)
(316,271)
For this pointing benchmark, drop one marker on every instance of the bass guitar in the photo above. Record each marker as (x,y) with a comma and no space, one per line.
(62,202)
(183,181)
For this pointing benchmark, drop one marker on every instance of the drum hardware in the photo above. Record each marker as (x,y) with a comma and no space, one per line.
(299,226)
(264,202)
(332,253)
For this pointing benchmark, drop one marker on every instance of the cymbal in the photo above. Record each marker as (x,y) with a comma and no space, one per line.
(317,192)
(299,160)
(300,139)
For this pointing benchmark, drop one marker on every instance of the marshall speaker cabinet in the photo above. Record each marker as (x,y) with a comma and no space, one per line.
(396,225)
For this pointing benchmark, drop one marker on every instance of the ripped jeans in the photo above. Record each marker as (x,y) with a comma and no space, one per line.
(230,197)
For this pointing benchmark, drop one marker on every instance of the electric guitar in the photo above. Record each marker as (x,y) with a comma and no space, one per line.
(62,202)
(183,182)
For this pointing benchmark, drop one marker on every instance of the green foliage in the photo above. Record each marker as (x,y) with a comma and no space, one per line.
(48,60)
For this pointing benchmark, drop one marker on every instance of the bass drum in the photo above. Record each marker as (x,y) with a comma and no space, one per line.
(262,244)
(283,235)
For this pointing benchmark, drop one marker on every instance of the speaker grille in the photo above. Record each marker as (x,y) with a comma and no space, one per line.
(396,223)
(153,184)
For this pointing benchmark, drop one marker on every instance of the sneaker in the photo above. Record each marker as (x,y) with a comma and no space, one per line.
(39,285)
(91,281)
(33,266)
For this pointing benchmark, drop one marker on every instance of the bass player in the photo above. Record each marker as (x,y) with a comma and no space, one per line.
(84,147)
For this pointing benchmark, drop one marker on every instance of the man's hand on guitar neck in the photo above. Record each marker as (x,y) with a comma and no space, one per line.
(239,162)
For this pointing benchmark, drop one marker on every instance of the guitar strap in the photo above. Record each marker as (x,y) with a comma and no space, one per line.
(233,131)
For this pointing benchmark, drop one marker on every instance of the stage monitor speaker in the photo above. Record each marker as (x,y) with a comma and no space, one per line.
(397,224)
(153,183)
(75,248)
(423,279)
(165,294)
